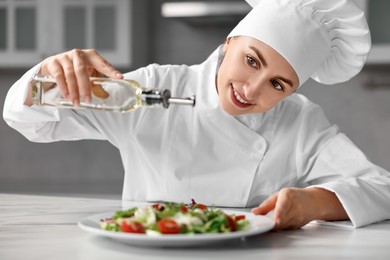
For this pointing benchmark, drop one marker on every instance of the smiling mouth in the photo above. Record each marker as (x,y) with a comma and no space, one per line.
(237,99)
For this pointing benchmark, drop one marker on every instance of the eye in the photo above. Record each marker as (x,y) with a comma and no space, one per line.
(277,85)
(251,61)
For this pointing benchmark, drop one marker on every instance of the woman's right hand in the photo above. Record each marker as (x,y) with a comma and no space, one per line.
(72,70)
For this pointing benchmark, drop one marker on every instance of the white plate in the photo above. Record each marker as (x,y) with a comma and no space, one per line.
(258,225)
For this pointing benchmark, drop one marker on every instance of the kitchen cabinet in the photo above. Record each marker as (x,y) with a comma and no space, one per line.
(31,30)
(206,12)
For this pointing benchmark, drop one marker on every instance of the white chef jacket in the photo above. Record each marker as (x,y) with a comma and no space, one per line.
(204,153)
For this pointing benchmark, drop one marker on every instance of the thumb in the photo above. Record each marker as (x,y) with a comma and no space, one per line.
(266,206)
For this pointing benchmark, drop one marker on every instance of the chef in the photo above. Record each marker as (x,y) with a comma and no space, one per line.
(251,140)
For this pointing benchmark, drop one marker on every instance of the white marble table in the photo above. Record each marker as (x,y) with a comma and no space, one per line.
(44,227)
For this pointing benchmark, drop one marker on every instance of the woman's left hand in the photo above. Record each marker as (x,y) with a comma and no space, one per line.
(295,207)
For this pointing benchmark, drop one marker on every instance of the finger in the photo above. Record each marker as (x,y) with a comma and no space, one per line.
(102,65)
(266,206)
(282,207)
(71,80)
(82,75)
(55,70)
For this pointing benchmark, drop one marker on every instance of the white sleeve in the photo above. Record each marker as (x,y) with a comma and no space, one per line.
(44,124)
(362,187)
(330,160)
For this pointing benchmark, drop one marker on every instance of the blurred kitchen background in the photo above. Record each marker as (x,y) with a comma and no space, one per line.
(134,33)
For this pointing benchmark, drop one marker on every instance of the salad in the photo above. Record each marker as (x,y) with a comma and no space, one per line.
(174,218)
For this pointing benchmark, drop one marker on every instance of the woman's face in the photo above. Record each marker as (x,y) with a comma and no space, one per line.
(253,77)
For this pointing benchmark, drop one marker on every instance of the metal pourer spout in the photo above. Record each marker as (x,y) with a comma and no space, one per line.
(190,101)
(163,97)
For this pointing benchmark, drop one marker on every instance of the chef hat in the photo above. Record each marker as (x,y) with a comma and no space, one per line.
(327,40)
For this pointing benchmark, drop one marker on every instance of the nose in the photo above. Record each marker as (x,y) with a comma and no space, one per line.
(254,86)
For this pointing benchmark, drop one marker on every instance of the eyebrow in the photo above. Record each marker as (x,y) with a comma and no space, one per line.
(258,53)
(265,64)
(289,82)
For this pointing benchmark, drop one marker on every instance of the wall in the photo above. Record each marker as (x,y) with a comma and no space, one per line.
(185,42)
(360,107)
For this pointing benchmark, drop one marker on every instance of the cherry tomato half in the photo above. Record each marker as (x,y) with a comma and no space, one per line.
(168,226)
(232,223)
(132,227)
(239,217)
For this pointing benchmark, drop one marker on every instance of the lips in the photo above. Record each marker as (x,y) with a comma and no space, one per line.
(237,99)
